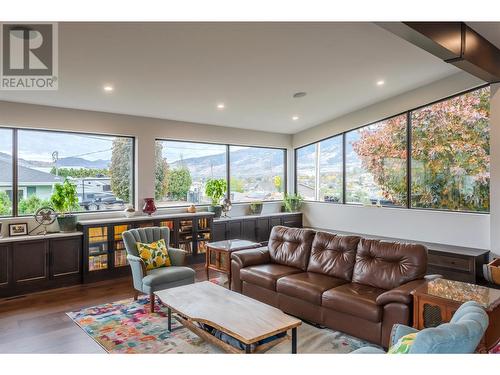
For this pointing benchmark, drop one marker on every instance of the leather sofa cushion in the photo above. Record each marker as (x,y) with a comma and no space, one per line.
(265,275)
(291,246)
(354,299)
(387,265)
(307,286)
(333,255)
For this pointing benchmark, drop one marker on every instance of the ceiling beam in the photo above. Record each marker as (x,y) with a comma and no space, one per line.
(453,42)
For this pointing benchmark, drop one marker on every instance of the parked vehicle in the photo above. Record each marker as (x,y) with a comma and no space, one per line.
(100,201)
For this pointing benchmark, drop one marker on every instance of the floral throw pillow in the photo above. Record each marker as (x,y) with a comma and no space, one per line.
(154,255)
(403,345)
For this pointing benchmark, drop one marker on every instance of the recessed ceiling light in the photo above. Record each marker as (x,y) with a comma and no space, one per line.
(295,118)
(221,106)
(108,88)
(380,83)
(299,94)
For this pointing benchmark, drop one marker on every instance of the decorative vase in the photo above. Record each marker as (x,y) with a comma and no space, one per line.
(149,206)
(191,209)
(67,223)
(217,210)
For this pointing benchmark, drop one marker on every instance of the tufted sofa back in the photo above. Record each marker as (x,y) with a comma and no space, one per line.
(333,255)
(387,265)
(290,246)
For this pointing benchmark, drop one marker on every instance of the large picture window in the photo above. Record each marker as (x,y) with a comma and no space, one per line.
(100,167)
(376,163)
(450,153)
(183,169)
(330,170)
(6,175)
(257,174)
(306,166)
(449,168)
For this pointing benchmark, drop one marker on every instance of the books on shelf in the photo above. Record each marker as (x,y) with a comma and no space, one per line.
(120,258)
(98,262)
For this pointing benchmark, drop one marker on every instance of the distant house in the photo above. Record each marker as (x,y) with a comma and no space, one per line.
(31,181)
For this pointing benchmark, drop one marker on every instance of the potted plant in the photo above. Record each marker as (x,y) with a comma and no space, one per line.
(292,202)
(255,208)
(64,199)
(215,189)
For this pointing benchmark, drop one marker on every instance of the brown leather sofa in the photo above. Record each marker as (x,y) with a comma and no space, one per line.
(347,283)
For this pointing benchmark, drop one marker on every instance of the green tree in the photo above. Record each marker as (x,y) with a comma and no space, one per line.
(161,172)
(79,172)
(450,154)
(31,204)
(5,204)
(278,183)
(121,168)
(237,184)
(178,183)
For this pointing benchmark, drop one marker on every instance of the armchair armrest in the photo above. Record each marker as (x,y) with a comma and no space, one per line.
(177,256)
(401,294)
(251,257)
(138,270)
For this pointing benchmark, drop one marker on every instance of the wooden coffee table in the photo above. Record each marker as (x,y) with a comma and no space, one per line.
(218,255)
(239,316)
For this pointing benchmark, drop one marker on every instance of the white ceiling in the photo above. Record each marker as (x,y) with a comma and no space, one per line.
(181,71)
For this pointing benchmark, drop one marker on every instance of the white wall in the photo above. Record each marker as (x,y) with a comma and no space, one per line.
(495,170)
(459,229)
(145,130)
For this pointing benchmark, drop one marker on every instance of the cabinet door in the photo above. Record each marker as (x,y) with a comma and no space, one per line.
(65,256)
(4,265)
(262,229)
(218,231)
(293,221)
(275,221)
(234,230)
(30,261)
(248,230)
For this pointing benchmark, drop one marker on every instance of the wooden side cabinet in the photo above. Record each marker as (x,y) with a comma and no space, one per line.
(30,262)
(65,257)
(5,266)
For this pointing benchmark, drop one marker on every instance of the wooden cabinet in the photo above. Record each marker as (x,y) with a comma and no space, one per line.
(32,265)
(30,261)
(65,257)
(253,228)
(5,266)
(457,264)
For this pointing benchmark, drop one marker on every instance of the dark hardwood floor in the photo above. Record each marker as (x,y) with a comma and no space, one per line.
(37,323)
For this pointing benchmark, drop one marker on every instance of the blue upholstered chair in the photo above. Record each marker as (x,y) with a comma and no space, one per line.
(151,281)
(461,335)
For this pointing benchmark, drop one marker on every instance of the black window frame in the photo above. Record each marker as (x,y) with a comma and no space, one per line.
(15,164)
(228,169)
(407,113)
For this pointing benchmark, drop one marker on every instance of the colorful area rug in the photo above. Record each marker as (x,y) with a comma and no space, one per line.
(127,326)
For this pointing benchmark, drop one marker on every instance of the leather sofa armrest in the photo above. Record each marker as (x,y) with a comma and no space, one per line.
(246,258)
(251,257)
(401,294)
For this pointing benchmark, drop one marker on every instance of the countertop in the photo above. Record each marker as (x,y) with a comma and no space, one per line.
(142,218)
(256,216)
(39,237)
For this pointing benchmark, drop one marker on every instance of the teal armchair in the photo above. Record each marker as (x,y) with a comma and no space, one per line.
(151,281)
(460,336)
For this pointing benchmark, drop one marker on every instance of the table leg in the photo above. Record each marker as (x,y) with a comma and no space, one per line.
(207,258)
(294,340)
(248,349)
(229,277)
(169,312)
